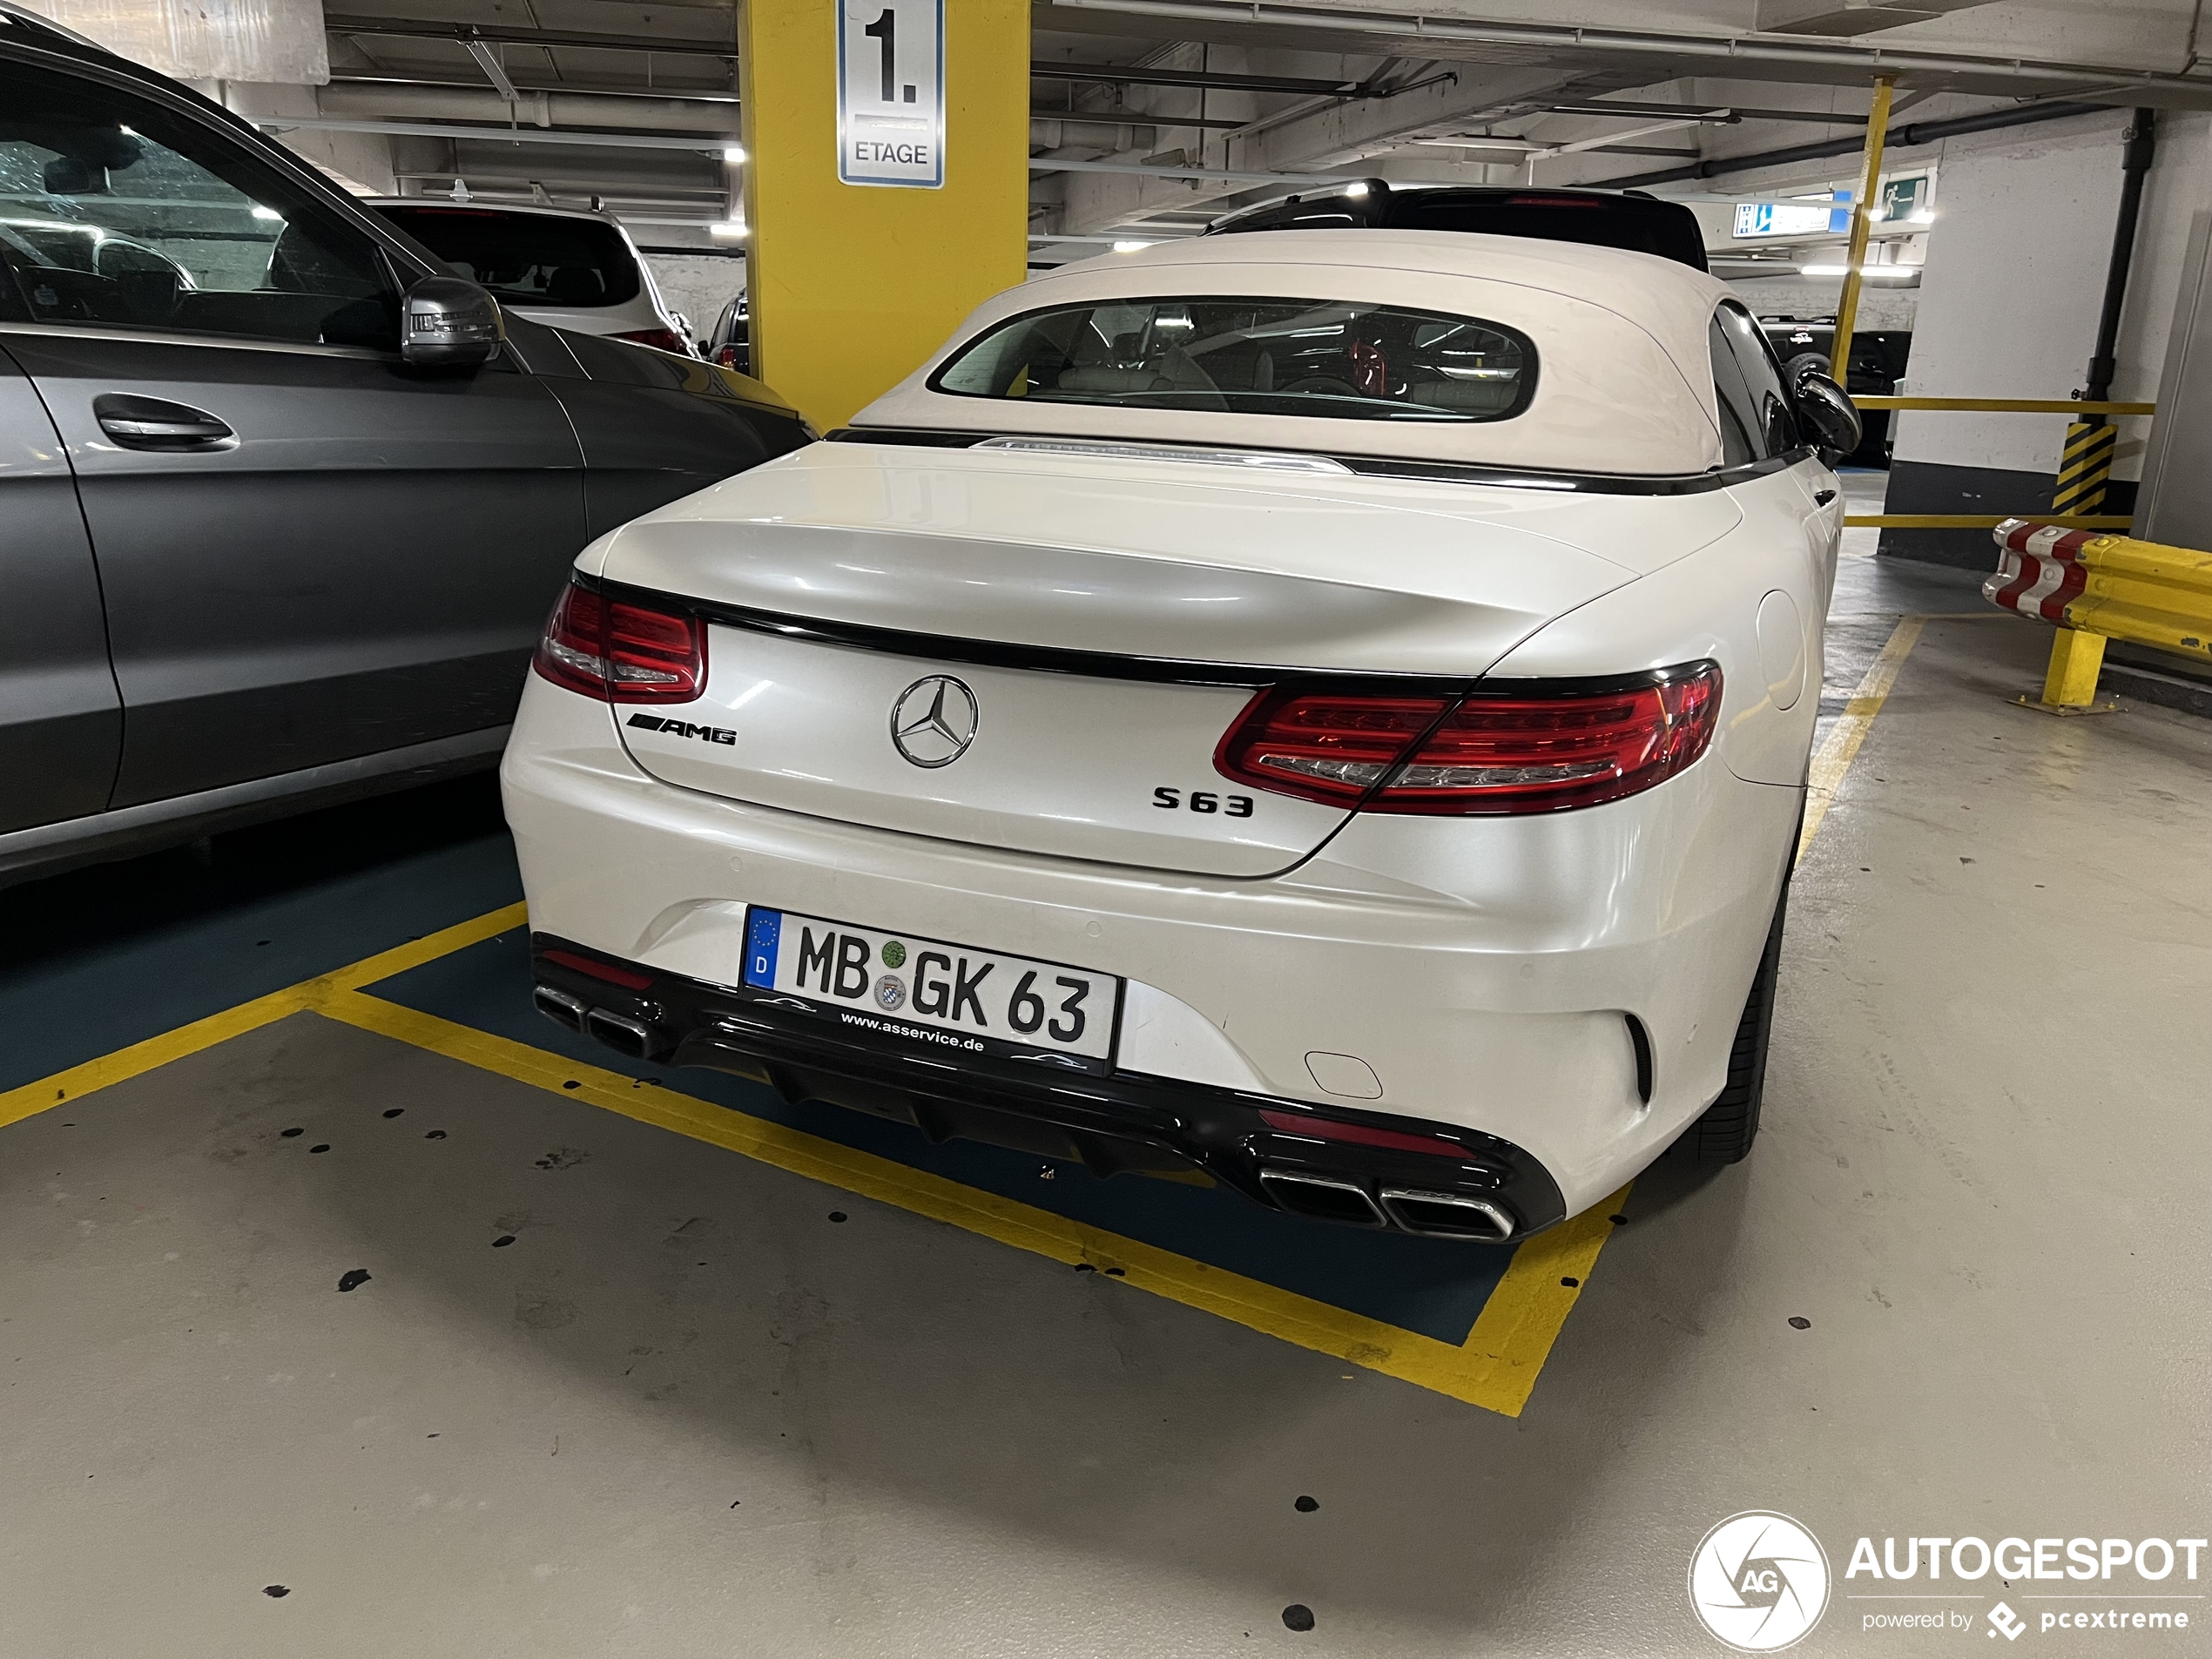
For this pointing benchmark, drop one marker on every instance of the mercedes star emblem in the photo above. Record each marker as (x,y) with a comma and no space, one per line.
(934,721)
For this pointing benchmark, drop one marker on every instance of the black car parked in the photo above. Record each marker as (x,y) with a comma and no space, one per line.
(1877,359)
(260,548)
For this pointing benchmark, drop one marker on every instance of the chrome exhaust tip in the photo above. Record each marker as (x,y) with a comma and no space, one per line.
(1447,1214)
(1322,1197)
(559,1006)
(626,1036)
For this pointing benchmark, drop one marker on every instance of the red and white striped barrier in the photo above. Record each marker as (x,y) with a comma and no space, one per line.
(2038,568)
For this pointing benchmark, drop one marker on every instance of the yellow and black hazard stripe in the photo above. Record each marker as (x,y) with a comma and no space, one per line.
(2085,467)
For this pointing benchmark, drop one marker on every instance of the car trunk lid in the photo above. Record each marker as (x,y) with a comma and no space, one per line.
(1041,652)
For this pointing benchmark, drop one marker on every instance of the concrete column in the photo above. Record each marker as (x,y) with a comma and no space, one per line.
(854,285)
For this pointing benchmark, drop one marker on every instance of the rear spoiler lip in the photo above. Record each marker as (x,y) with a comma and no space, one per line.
(1547,479)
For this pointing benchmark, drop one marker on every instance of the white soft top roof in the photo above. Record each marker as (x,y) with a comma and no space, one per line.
(1623,380)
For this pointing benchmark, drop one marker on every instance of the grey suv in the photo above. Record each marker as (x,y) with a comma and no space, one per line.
(260,548)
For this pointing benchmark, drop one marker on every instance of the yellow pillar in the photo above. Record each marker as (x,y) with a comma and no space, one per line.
(2071,680)
(1862,221)
(851,286)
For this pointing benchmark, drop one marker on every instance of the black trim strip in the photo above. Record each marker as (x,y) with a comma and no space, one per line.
(1096,664)
(1447,472)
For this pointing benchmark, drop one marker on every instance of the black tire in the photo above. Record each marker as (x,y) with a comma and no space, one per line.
(1724,1134)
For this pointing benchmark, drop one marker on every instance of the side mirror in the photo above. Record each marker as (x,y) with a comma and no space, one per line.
(1827,408)
(447,322)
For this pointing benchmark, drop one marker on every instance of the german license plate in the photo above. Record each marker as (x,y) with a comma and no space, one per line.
(950,999)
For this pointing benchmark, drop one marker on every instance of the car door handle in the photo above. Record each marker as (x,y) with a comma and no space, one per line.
(1822,497)
(156,423)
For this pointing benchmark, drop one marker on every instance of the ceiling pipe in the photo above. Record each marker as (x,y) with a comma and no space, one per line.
(422,29)
(2134,166)
(1115,75)
(1901,137)
(569,90)
(700,143)
(1864,61)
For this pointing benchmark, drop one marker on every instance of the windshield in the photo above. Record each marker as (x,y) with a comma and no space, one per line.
(1335,358)
(527,259)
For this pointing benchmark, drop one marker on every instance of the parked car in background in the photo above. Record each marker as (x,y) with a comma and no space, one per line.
(1330,715)
(731,344)
(1629,219)
(560,265)
(280,511)
(1878,361)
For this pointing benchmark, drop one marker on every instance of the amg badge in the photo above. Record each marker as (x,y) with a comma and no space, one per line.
(683,728)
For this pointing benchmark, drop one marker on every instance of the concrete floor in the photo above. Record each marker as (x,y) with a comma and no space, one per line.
(609,1391)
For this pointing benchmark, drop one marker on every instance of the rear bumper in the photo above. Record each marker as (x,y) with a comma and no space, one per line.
(1491,974)
(1472,1186)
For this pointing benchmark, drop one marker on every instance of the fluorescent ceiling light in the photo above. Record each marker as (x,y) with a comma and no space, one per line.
(729,230)
(260,211)
(733,154)
(1876,273)
(1130,247)
(1355,188)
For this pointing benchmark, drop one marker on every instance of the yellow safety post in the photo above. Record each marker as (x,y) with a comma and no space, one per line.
(1862,222)
(887,184)
(2076,659)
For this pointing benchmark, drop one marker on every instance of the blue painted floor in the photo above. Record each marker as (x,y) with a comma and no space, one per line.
(108,957)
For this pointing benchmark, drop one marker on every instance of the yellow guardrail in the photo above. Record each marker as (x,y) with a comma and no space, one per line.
(2084,466)
(2005,405)
(1980,521)
(2147,593)
(2097,588)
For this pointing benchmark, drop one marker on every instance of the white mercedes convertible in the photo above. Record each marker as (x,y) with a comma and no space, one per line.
(1328,710)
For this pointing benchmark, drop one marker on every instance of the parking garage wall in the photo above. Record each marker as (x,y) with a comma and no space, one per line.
(2008,306)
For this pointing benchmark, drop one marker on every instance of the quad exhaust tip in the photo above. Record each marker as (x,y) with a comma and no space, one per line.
(625,1036)
(559,1007)
(1431,1215)
(1322,1197)
(1447,1214)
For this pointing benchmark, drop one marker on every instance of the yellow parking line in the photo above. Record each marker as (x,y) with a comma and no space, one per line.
(1840,747)
(1495,1368)
(79,1081)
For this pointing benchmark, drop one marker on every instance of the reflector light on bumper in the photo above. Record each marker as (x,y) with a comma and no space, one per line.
(1570,744)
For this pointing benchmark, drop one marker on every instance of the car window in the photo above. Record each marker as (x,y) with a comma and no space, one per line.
(1343,359)
(527,259)
(116,210)
(1755,409)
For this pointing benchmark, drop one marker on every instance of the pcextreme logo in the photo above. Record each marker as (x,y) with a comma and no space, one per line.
(1758,1582)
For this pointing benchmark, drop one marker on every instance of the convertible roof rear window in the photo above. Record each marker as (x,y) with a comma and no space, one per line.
(1340,359)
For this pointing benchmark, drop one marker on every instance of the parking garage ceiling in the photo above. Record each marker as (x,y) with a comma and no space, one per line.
(1151,117)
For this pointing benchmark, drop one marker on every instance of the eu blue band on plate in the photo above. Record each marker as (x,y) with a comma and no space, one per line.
(762,934)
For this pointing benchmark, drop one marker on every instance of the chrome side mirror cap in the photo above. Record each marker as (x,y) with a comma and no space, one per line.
(449,322)
(1827,408)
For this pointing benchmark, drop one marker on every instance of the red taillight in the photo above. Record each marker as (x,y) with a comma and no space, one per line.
(658,339)
(620,651)
(1488,754)
(1323,746)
